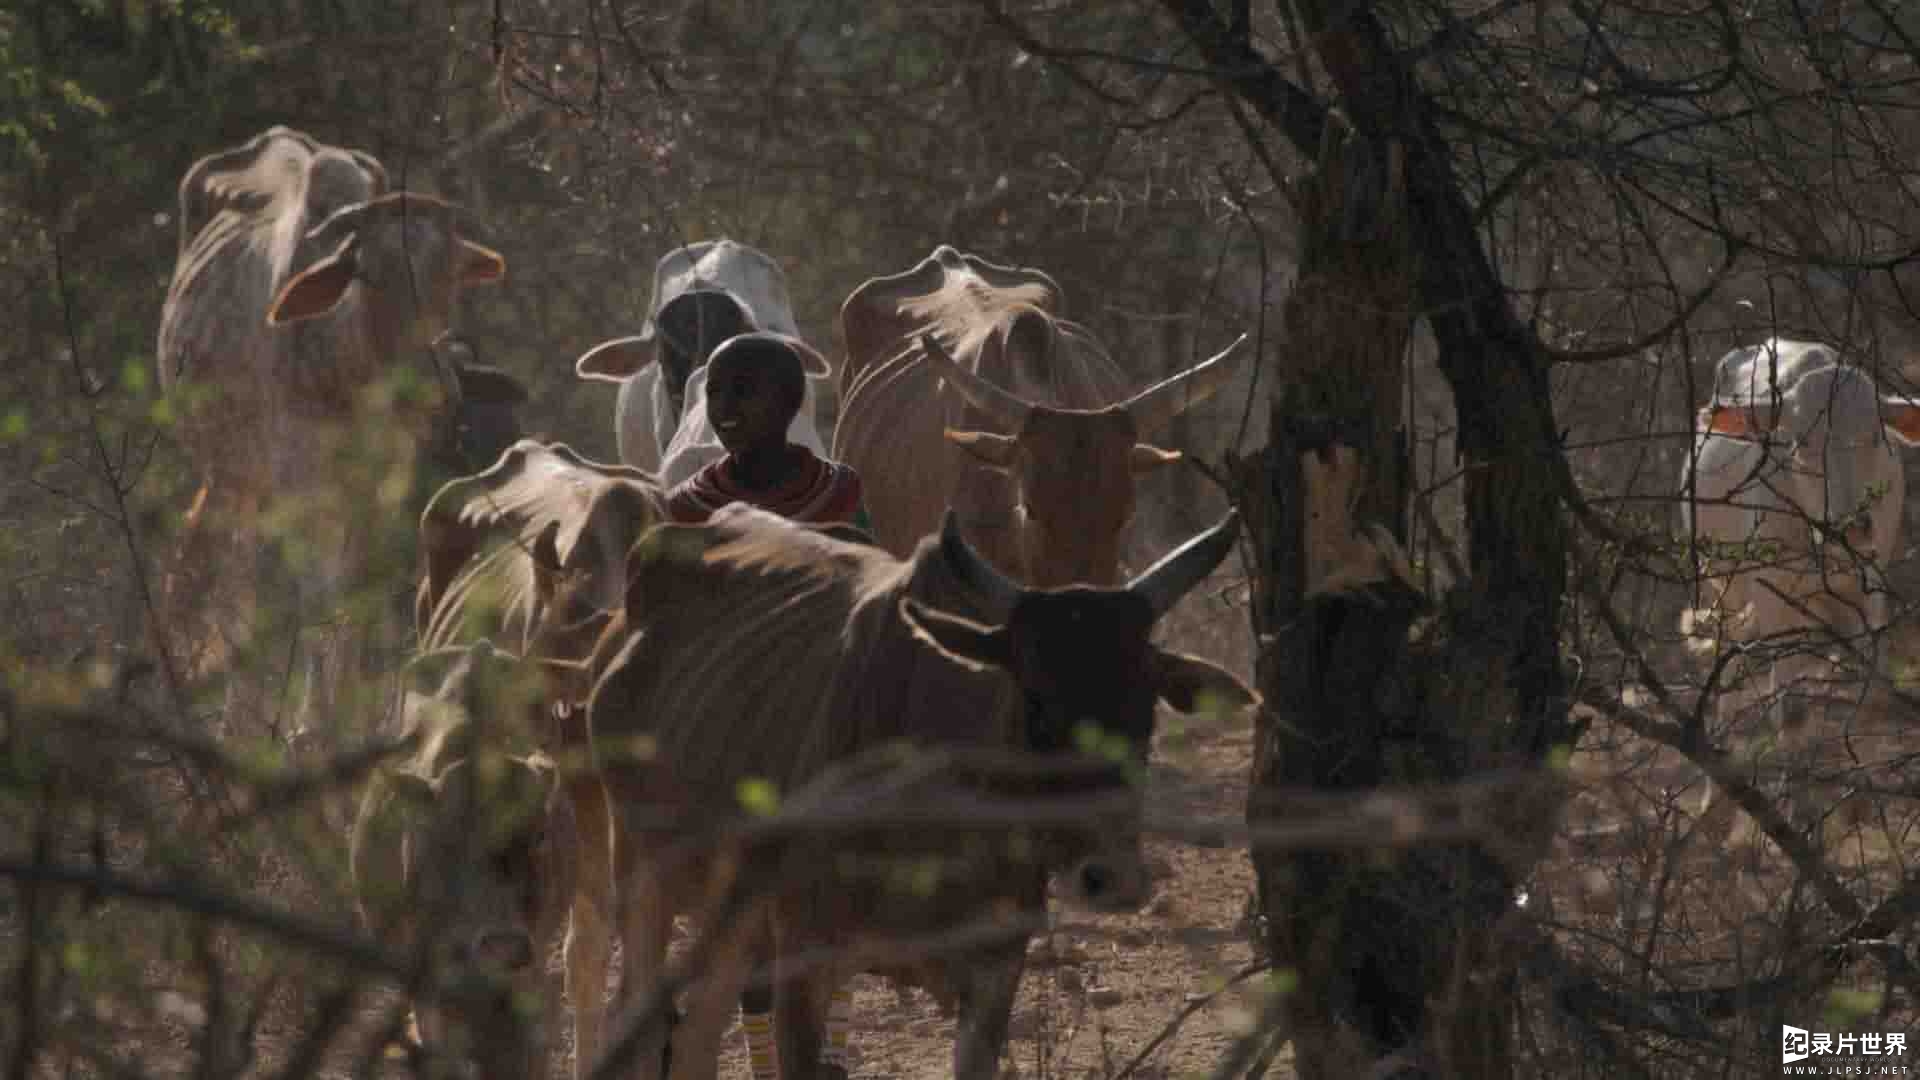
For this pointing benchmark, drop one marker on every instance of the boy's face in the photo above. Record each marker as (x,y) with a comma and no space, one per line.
(746,406)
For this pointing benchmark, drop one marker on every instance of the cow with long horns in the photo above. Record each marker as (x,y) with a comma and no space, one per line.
(760,651)
(964,387)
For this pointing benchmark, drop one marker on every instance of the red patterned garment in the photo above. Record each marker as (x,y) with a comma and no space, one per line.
(821,493)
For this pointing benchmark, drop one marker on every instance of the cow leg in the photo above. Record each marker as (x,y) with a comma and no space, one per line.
(1838,687)
(543,1038)
(1728,621)
(589,937)
(646,926)
(588,948)
(797,1015)
(986,1008)
(710,1003)
(556,875)
(1782,603)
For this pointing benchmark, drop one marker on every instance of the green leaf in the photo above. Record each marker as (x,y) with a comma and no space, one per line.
(1845,1008)
(136,375)
(758,796)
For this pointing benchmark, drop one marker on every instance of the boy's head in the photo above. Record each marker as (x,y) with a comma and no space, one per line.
(755,386)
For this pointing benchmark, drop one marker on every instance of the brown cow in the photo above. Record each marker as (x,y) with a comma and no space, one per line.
(1018,430)
(533,551)
(302,283)
(469,846)
(762,650)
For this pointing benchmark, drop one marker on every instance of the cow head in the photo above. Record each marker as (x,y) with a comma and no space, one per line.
(683,334)
(1840,435)
(680,337)
(1090,676)
(468,848)
(482,419)
(408,253)
(569,634)
(1074,469)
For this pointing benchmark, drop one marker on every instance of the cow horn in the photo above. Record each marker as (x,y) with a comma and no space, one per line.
(444,354)
(350,218)
(1003,408)
(1165,582)
(1157,404)
(997,592)
(339,225)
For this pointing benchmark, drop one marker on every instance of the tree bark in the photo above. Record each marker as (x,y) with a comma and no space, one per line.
(1398,953)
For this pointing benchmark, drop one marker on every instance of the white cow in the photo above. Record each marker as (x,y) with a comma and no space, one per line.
(1795,492)
(703,294)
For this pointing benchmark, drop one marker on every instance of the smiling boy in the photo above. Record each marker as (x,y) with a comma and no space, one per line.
(755,384)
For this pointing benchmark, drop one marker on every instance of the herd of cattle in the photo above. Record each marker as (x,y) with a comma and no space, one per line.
(604,683)
(591,686)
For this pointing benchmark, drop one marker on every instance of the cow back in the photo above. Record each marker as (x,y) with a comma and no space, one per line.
(760,649)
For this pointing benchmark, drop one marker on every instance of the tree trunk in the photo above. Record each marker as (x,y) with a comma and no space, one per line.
(1395,952)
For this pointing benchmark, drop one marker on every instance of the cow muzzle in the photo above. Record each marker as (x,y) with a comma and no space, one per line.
(1110,883)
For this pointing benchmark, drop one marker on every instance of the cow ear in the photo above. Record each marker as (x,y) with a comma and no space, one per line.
(990,449)
(1144,458)
(812,364)
(963,641)
(479,382)
(1902,419)
(547,567)
(613,361)
(314,291)
(1191,684)
(479,264)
